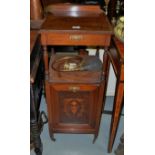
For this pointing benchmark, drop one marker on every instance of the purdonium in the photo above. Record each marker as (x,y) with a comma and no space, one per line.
(79,69)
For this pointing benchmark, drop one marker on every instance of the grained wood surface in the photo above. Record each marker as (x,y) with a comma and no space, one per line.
(120,47)
(70,8)
(76,25)
(74,105)
(74,112)
(89,18)
(36,10)
(116,57)
(75,38)
(116,54)
(67,111)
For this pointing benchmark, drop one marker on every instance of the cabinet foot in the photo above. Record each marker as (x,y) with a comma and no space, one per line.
(95,137)
(52,137)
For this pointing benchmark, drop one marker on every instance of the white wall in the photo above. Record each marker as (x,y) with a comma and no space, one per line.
(112,78)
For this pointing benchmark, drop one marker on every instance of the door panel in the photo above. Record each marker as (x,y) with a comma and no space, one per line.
(74,106)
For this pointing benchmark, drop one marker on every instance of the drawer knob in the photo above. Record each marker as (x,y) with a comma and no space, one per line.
(76,37)
(74,88)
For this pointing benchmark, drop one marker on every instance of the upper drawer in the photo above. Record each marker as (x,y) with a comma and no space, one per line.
(54,38)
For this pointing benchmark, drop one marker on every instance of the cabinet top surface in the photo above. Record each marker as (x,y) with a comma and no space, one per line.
(77,19)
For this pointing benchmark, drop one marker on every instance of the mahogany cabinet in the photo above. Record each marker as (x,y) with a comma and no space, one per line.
(74,100)
(74,104)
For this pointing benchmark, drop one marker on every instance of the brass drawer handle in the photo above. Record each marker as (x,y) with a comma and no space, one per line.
(74,88)
(76,37)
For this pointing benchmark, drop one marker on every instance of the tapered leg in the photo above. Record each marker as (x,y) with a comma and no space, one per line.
(95,137)
(106,66)
(48,100)
(118,101)
(45,58)
(52,137)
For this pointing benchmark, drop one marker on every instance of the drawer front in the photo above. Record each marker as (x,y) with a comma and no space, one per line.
(74,106)
(75,39)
